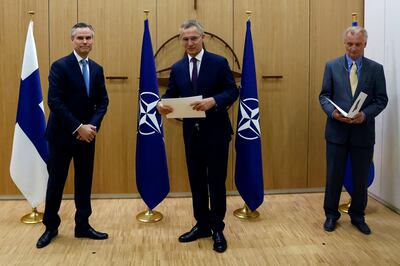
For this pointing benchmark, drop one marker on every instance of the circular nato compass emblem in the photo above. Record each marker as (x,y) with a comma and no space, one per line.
(249,124)
(149,119)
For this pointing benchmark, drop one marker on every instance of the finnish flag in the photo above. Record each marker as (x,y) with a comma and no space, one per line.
(28,167)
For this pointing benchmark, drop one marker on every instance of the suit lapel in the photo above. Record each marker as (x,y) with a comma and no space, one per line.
(202,73)
(363,76)
(91,76)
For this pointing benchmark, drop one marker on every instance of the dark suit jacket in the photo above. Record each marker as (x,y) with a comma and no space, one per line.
(336,86)
(215,80)
(68,101)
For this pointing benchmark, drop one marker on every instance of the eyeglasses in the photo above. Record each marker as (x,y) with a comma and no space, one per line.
(192,39)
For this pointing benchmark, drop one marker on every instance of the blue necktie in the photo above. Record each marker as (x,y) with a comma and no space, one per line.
(194,74)
(85,74)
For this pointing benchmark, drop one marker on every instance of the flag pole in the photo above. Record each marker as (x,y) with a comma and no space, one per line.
(345,206)
(34,217)
(149,216)
(248,12)
(146,11)
(245,212)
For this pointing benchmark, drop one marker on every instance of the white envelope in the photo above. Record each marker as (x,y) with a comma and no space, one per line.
(355,108)
(181,107)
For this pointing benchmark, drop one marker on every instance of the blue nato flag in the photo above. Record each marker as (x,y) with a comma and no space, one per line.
(151,162)
(248,169)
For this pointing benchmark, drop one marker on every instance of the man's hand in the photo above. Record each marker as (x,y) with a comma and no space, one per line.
(338,116)
(358,118)
(204,104)
(163,109)
(86,133)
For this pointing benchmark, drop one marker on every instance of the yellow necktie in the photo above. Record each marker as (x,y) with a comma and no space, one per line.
(353,78)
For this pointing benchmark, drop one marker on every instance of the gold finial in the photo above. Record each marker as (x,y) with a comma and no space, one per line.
(354,18)
(248,12)
(146,11)
(31,12)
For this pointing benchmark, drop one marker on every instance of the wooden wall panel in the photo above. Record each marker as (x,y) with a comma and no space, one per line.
(119,30)
(14,20)
(280,37)
(329,19)
(291,38)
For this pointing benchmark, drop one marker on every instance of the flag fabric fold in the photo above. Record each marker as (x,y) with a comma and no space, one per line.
(248,169)
(28,167)
(152,178)
(348,176)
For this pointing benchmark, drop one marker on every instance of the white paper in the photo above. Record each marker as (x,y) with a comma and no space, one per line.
(181,107)
(355,108)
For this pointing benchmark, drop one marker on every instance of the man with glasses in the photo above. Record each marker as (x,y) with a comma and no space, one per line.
(206,139)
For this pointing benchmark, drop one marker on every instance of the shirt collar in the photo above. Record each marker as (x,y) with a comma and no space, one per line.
(350,61)
(79,58)
(199,56)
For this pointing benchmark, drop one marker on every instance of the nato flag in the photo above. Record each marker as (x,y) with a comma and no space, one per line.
(151,162)
(248,170)
(348,176)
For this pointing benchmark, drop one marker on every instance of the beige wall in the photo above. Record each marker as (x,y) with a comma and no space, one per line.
(292,39)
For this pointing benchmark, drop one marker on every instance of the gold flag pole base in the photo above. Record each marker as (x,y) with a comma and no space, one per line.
(34,217)
(345,207)
(149,216)
(245,213)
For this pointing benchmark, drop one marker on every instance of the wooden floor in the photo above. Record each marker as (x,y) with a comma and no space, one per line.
(288,232)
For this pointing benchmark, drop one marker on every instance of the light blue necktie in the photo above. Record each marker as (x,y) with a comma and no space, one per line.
(85,73)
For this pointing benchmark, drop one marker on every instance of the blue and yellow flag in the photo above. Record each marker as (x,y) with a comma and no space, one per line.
(248,170)
(151,161)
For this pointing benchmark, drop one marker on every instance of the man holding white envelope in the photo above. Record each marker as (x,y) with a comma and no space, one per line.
(355,84)
(201,73)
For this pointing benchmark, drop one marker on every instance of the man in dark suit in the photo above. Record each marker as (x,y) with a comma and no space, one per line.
(206,139)
(344,79)
(78,102)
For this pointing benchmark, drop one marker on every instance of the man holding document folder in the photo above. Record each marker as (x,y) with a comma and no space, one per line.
(206,135)
(355,84)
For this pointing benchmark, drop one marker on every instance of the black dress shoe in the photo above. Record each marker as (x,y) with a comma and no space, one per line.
(220,244)
(194,234)
(90,233)
(330,225)
(362,227)
(45,239)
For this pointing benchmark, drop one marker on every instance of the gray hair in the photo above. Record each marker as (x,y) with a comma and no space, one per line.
(81,25)
(354,30)
(192,23)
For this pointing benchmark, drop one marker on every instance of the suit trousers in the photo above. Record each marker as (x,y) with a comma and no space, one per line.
(60,157)
(361,159)
(207,161)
